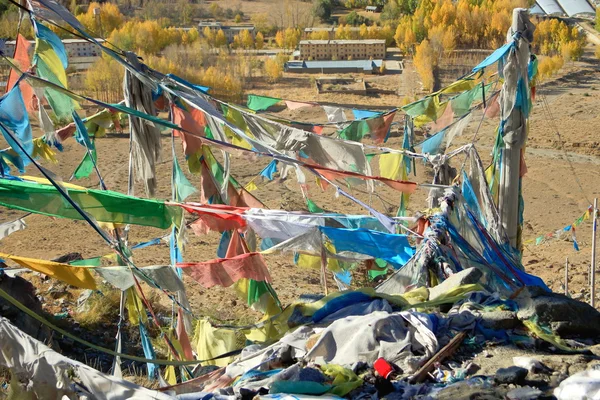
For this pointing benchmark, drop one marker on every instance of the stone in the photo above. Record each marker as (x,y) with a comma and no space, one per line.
(509,375)
(24,292)
(524,393)
(500,320)
(464,277)
(565,316)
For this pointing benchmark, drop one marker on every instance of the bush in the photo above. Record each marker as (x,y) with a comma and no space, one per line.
(354,19)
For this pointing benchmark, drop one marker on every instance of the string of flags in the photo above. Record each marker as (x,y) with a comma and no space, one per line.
(563,231)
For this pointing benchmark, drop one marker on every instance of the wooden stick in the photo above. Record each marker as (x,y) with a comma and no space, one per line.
(324,269)
(593,272)
(567,276)
(440,356)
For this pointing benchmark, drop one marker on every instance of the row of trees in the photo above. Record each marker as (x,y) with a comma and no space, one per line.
(437,27)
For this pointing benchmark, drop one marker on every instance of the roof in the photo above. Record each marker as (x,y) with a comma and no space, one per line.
(374,8)
(65,41)
(351,64)
(569,8)
(328,29)
(368,41)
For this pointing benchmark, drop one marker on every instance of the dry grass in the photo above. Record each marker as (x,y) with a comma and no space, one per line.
(101,307)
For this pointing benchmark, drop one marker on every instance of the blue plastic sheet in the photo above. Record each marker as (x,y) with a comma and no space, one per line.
(13,116)
(390,247)
(337,303)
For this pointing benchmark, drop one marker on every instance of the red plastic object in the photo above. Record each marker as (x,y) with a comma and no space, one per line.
(383,368)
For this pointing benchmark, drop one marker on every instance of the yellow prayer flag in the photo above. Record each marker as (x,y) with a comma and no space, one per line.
(390,165)
(251,186)
(78,276)
(135,307)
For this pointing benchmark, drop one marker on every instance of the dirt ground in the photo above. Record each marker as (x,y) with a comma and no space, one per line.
(563,160)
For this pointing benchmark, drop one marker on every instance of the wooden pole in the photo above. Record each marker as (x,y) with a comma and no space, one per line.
(593,266)
(514,124)
(567,276)
(324,270)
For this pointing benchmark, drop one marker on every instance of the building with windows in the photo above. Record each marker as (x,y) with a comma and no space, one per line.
(81,53)
(230,31)
(74,47)
(342,49)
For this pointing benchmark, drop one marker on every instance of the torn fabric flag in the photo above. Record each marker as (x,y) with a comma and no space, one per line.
(226,271)
(261,103)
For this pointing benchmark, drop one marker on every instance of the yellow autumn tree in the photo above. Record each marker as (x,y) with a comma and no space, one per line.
(280,39)
(319,35)
(363,31)
(292,38)
(220,39)
(273,70)
(105,80)
(110,19)
(209,35)
(246,39)
(424,61)
(260,41)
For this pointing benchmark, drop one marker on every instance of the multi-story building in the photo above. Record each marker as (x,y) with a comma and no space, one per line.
(342,49)
(82,53)
(230,31)
(74,47)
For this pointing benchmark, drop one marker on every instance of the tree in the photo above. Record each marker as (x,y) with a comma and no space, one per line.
(292,38)
(261,23)
(260,41)
(363,32)
(322,9)
(209,35)
(246,39)
(215,10)
(424,64)
(110,19)
(280,39)
(273,70)
(354,19)
(220,39)
(237,19)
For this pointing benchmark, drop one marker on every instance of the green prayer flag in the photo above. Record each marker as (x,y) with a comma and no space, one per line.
(355,131)
(85,168)
(102,205)
(95,262)
(461,104)
(313,207)
(181,185)
(261,103)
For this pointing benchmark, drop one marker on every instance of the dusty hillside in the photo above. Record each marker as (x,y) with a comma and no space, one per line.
(563,159)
